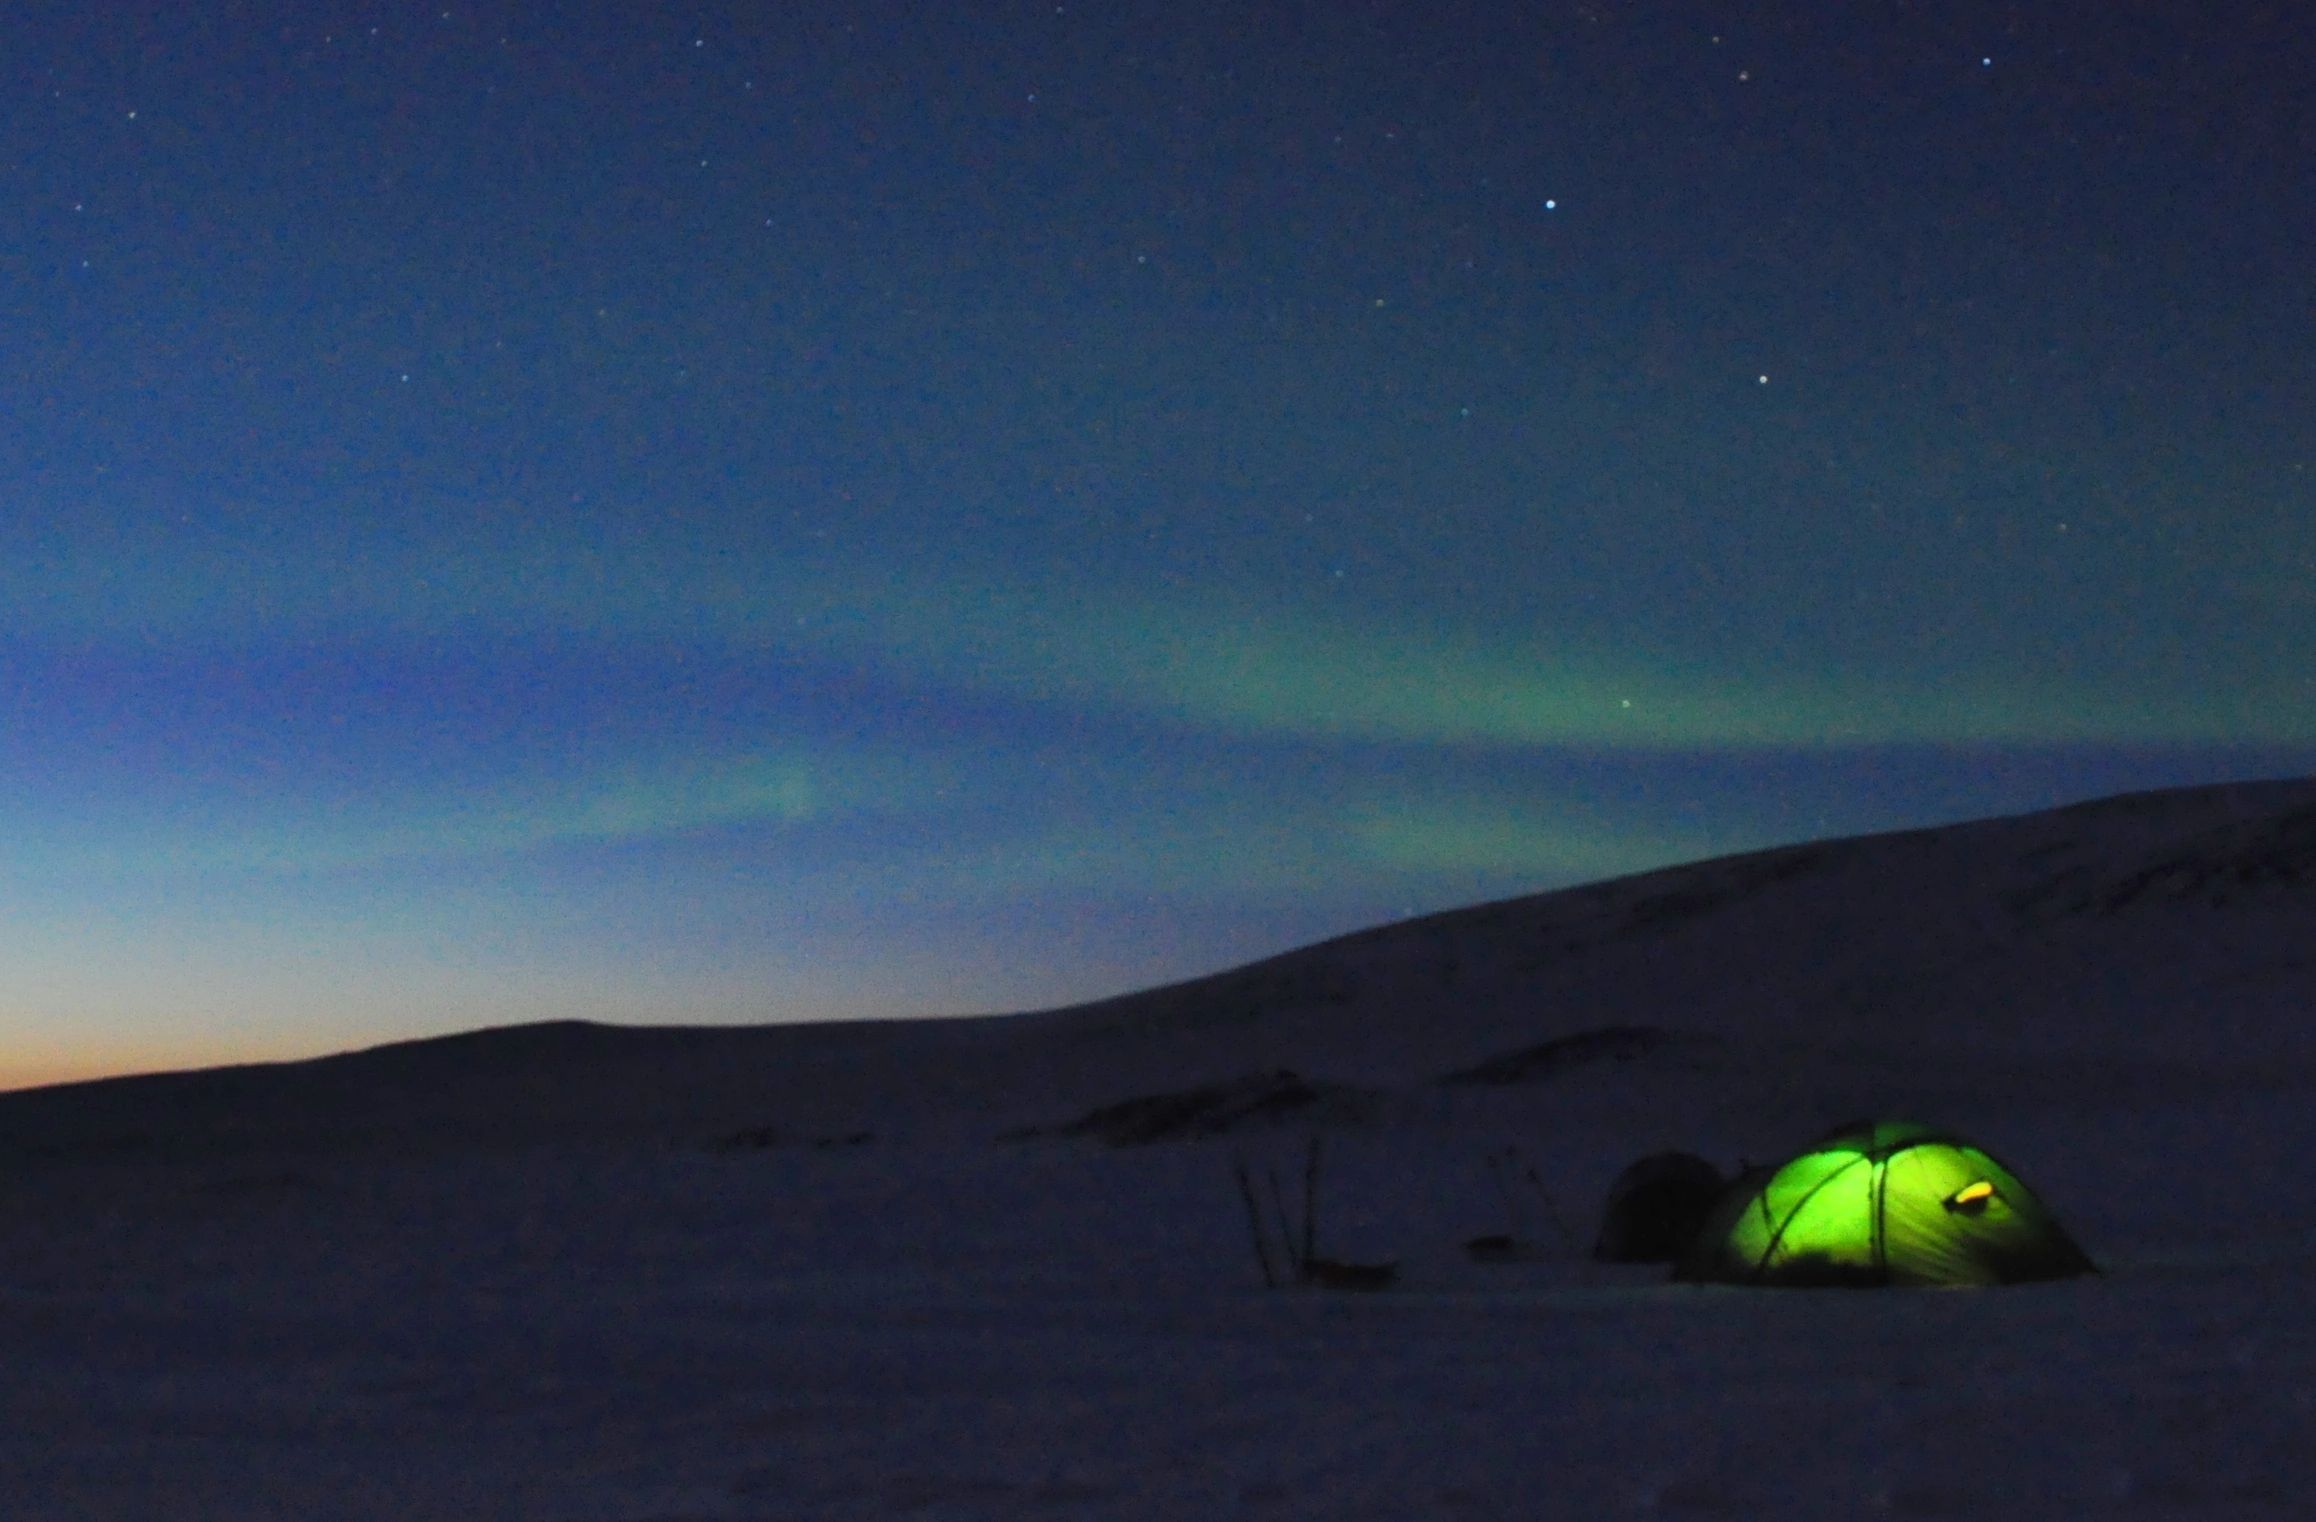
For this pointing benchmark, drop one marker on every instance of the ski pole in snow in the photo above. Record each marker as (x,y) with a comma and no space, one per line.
(1254,1222)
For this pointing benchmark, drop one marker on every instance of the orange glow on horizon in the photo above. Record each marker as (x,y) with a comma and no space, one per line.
(23,1067)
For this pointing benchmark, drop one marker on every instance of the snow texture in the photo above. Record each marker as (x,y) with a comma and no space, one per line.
(582,1274)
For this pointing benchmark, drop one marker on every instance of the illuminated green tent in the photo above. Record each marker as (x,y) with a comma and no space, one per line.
(1882,1203)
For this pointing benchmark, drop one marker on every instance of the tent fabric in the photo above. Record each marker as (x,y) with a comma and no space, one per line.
(1882,1203)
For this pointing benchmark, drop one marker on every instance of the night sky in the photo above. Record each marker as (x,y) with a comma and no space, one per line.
(764,512)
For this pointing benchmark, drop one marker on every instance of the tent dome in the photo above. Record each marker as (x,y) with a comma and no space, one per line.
(1882,1203)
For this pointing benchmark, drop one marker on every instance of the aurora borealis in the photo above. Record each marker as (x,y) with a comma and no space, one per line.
(809,511)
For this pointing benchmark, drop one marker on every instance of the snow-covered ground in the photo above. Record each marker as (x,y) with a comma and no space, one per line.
(511,1275)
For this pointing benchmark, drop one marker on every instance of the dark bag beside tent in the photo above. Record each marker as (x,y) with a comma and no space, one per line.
(1882,1203)
(1655,1207)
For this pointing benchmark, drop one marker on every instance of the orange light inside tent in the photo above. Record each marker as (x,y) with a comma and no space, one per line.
(1970,1199)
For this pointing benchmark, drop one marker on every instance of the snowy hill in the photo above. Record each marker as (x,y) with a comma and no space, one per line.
(2164,934)
(998,1267)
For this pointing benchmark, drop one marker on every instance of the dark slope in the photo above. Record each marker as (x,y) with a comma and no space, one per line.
(2170,930)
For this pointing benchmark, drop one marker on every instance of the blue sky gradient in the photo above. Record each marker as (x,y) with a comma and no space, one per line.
(833,511)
